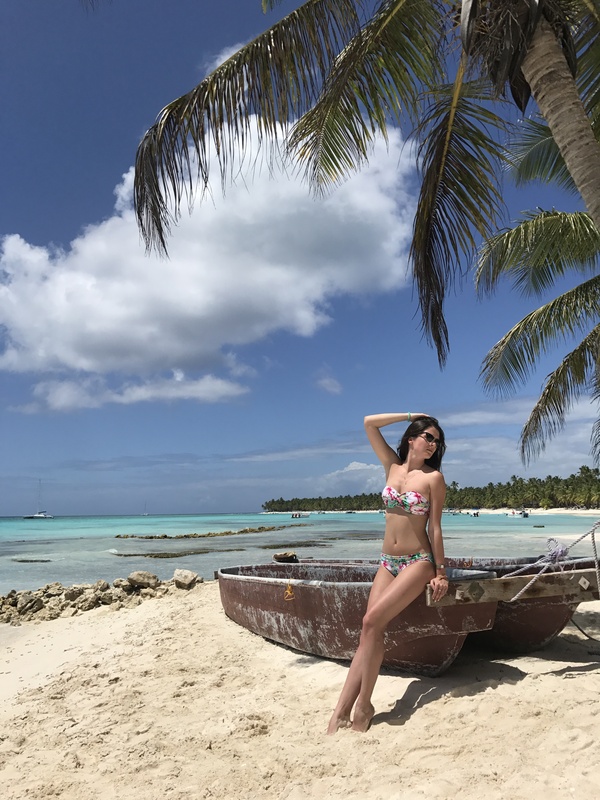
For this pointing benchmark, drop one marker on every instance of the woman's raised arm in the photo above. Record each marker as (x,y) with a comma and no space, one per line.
(373,422)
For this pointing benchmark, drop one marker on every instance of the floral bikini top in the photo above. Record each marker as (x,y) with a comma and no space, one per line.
(412,502)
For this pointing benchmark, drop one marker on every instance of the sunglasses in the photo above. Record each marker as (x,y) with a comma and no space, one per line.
(430,438)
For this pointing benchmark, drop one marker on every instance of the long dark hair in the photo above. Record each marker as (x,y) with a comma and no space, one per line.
(414,429)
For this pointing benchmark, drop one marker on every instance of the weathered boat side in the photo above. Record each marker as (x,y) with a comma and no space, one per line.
(318,608)
(526,625)
(571,586)
(533,621)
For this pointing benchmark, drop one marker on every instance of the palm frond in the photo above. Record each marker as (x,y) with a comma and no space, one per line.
(588,48)
(512,360)
(533,155)
(596,400)
(376,78)
(544,246)
(595,449)
(459,196)
(571,380)
(277,77)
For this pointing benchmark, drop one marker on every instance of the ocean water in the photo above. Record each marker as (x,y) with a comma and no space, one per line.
(84,549)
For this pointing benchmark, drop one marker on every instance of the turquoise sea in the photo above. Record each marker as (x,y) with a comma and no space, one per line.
(84,549)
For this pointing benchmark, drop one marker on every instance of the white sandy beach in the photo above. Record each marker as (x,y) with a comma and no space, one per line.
(173,700)
(580,512)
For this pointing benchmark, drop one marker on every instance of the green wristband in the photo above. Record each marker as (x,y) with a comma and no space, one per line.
(408,416)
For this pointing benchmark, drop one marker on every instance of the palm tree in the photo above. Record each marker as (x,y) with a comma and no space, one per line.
(535,254)
(326,79)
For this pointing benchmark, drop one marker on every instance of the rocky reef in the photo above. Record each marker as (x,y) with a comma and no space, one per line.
(55,600)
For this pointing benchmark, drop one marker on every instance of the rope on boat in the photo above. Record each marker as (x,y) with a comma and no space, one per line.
(557,556)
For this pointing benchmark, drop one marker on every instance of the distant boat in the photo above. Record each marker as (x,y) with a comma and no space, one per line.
(39,514)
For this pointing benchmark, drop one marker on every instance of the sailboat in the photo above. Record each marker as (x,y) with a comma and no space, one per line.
(39,514)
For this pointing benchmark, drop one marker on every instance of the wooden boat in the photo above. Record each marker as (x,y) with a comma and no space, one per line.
(535,619)
(317,607)
(538,616)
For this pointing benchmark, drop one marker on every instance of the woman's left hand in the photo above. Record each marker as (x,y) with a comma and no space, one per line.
(439,587)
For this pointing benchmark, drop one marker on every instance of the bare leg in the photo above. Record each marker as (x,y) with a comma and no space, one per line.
(395,597)
(341,715)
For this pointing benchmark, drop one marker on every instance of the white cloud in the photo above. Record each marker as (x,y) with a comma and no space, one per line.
(469,462)
(476,462)
(512,412)
(292,454)
(355,478)
(236,368)
(66,395)
(222,56)
(483,443)
(471,459)
(264,259)
(327,382)
(329,385)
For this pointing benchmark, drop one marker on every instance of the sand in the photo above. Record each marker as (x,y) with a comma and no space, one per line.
(539,512)
(173,700)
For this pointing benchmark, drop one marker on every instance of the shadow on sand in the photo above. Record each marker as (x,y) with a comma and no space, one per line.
(477,669)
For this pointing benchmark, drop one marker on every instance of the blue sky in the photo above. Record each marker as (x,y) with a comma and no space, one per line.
(240,369)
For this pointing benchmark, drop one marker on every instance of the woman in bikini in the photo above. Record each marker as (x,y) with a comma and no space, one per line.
(413,551)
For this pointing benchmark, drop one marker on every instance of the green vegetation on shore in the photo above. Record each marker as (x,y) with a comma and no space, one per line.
(581,490)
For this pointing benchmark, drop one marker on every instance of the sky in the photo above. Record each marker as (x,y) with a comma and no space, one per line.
(240,369)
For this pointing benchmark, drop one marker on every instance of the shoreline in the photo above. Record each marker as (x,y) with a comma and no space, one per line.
(505,510)
(173,699)
(535,512)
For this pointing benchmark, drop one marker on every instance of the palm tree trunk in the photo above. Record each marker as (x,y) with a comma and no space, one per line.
(555,91)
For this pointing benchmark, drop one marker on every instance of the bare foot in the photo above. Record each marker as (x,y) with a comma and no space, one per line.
(362,718)
(335,723)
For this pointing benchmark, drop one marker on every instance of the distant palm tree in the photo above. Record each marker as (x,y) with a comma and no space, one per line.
(333,74)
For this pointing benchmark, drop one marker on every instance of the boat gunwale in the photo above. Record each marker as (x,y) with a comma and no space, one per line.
(228,574)
(286,581)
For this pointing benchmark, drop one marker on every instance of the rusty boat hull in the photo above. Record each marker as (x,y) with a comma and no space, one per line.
(318,607)
(533,621)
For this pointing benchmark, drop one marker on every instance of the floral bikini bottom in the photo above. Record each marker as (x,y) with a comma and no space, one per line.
(395,564)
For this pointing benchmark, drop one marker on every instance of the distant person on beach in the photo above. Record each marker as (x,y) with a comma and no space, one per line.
(413,551)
